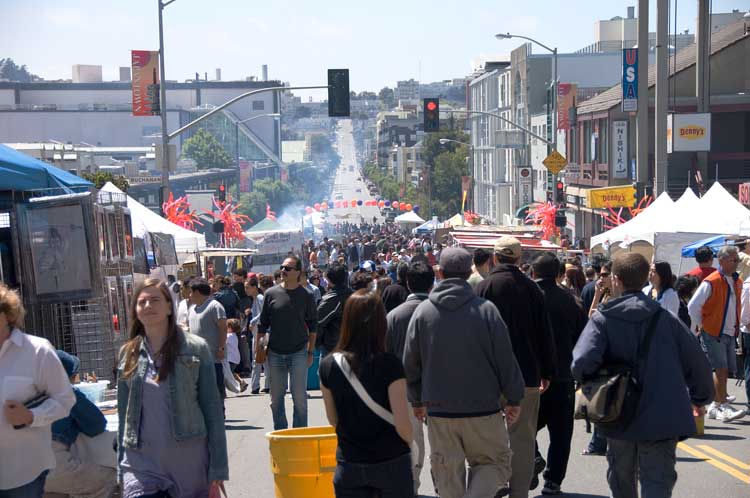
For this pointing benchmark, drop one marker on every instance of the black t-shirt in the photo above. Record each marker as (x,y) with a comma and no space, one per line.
(363,436)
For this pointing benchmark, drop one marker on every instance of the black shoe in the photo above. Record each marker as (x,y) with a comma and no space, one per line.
(265,391)
(539,465)
(590,452)
(504,491)
(255,391)
(551,488)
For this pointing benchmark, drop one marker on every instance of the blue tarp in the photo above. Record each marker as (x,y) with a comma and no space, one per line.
(426,227)
(21,172)
(715,243)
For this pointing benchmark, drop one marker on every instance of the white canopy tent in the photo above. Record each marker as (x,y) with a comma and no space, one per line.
(720,212)
(409,217)
(656,217)
(144,220)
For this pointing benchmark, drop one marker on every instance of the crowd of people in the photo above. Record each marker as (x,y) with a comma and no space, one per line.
(480,351)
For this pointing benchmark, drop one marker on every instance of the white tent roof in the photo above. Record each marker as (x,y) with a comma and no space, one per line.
(655,218)
(144,220)
(720,212)
(687,201)
(409,217)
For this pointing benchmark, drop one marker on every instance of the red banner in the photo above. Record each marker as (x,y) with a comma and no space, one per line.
(245,175)
(145,84)
(566,98)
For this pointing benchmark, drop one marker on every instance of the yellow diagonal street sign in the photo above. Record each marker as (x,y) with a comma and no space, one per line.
(555,162)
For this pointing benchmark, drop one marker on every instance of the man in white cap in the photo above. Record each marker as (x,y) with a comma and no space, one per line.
(521,304)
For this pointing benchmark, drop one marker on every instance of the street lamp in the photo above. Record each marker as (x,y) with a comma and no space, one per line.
(163,108)
(237,132)
(508,36)
(444,141)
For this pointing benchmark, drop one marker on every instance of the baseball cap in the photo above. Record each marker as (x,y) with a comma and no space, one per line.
(508,246)
(455,260)
(368,266)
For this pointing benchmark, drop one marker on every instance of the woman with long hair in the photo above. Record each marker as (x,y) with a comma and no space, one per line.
(373,456)
(661,287)
(574,279)
(171,439)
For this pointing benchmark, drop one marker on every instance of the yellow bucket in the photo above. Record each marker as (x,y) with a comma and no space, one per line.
(303,461)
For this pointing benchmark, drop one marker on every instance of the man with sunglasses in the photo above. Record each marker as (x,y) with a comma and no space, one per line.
(289,310)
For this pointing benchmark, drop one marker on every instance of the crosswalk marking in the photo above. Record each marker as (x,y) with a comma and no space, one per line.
(724,456)
(719,465)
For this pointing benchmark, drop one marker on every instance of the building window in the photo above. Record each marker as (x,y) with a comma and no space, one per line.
(587,132)
(574,144)
(151,199)
(259,105)
(603,155)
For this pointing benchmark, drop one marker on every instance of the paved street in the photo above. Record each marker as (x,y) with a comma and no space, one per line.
(716,465)
(348,184)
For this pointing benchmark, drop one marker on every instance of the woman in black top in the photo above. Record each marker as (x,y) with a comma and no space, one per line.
(373,456)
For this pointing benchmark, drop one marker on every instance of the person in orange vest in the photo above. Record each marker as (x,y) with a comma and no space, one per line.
(715,313)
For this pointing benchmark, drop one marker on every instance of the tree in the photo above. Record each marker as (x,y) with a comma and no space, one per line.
(386,96)
(365,95)
(206,151)
(276,194)
(10,71)
(446,181)
(99,178)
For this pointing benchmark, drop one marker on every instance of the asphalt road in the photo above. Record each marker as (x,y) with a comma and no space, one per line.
(349,185)
(716,465)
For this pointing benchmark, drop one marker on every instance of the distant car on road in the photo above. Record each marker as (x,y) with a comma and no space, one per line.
(359,190)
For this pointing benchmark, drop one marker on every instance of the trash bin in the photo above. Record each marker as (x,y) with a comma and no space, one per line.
(313,381)
(303,462)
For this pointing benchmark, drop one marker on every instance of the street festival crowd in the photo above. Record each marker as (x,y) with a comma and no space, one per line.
(479,351)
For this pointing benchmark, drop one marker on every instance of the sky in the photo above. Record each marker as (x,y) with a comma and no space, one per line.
(380,41)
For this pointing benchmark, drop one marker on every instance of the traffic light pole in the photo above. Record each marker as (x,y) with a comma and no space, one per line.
(501,118)
(163,110)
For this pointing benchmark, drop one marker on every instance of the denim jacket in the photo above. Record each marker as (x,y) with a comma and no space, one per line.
(193,396)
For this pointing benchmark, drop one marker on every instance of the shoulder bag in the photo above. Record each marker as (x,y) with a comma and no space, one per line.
(610,397)
(371,404)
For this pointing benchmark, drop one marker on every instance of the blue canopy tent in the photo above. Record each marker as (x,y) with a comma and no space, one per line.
(715,243)
(426,227)
(21,172)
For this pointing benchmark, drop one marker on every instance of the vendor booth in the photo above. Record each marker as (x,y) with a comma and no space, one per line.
(409,218)
(272,244)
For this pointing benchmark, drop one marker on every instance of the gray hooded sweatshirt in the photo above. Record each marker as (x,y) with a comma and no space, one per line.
(458,357)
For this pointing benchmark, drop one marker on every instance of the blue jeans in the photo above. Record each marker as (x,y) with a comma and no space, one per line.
(34,489)
(294,367)
(390,479)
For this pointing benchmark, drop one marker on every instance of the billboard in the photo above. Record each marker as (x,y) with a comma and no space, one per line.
(566,98)
(611,197)
(630,80)
(620,150)
(689,132)
(145,82)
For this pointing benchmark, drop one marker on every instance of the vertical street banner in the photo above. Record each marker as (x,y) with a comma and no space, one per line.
(619,150)
(145,82)
(566,96)
(630,80)
(465,187)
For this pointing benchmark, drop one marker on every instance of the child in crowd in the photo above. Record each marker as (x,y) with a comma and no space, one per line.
(233,349)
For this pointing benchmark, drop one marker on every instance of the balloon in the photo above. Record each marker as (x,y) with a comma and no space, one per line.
(408,207)
(344,204)
(381,203)
(324,206)
(416,209)
(317,206)
(359,203)
(387,203)
(394,204)
(308,210)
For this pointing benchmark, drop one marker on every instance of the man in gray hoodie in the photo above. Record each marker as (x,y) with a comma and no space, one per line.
(454,330)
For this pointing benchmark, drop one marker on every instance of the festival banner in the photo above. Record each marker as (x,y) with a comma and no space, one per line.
(145,83)
(245,175)
(465,187)
(566,98)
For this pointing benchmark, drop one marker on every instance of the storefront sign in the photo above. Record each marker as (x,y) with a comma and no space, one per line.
(745,194)
(525,180)
(689,132)
(620,150)
(566,97)
(630,80)
(145,84)
(611,197)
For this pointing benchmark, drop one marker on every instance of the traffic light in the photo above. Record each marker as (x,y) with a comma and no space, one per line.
(560,192)
(431,113)
(218,227)
(560,219)
(221,193)
(338,93)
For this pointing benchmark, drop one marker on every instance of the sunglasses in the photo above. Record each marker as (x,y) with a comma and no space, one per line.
(287,268)
(603,275)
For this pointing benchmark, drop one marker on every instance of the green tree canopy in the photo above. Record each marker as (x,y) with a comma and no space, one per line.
(99,178)
(11,71)
(206,151)
(266,191)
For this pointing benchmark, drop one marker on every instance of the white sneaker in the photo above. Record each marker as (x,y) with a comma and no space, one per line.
(731,398)
(713,410)
(728,414)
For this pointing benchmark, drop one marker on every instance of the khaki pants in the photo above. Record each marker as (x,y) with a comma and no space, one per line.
(482,442)
(78,479)
(418,430)
(522,439)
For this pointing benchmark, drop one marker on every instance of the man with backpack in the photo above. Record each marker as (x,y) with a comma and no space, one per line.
(670,367)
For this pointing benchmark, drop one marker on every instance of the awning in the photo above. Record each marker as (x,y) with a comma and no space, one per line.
(488,241)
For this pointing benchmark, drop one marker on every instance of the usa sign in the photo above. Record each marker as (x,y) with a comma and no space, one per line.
(630,80)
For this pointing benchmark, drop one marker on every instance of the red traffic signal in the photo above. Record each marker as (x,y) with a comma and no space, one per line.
(560,186)
(222,193)
(431,113)
(431,106)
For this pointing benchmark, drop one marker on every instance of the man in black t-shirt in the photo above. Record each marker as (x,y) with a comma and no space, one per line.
(289,310)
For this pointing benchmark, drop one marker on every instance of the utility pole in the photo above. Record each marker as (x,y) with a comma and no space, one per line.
(163,111)
(662,87)
(702,80)
(641,118)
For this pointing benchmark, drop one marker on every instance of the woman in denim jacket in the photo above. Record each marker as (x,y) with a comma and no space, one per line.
(171,438)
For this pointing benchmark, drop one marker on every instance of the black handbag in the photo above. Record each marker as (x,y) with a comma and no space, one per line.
(610,397)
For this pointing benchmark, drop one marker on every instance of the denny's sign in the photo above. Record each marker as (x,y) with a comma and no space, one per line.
(611,197)
(689,132)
